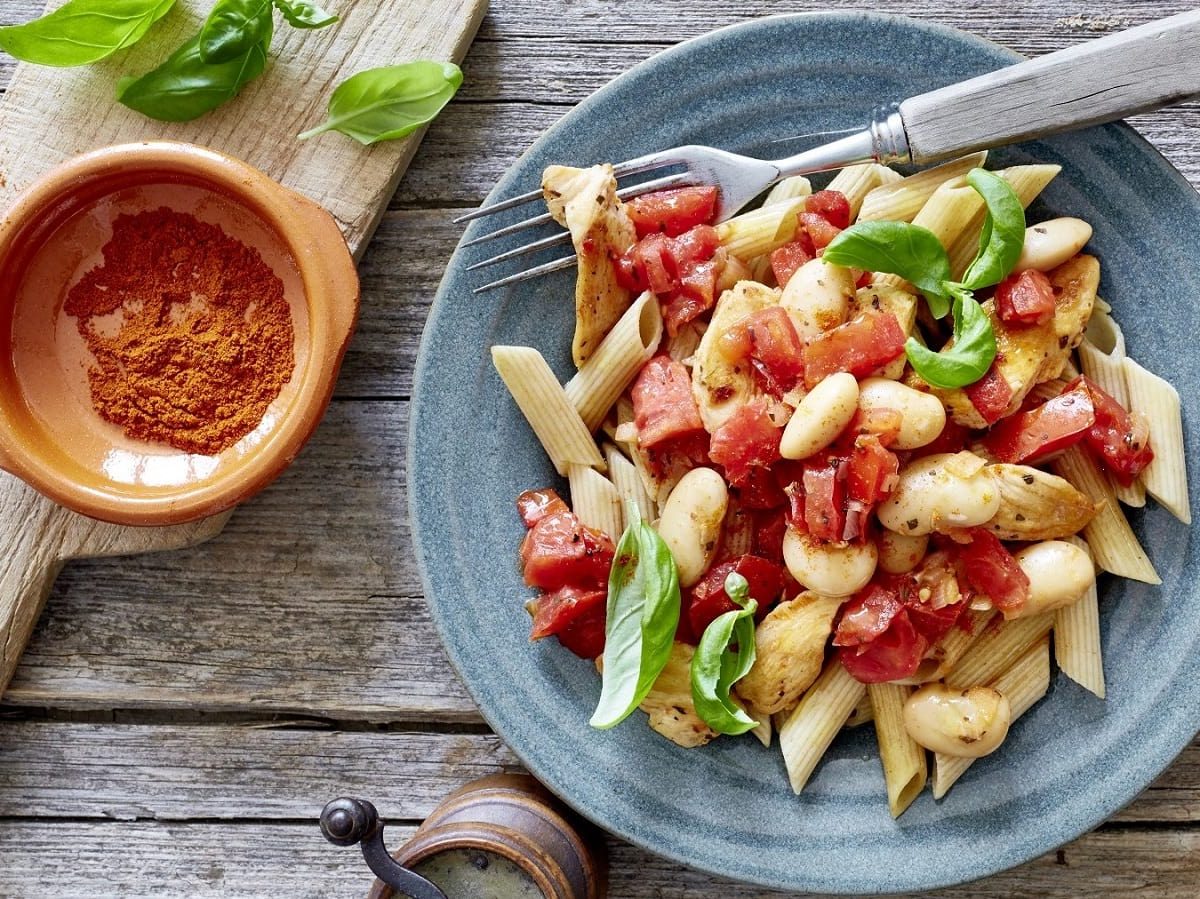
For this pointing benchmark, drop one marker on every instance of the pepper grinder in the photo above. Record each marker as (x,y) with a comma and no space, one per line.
(500,837)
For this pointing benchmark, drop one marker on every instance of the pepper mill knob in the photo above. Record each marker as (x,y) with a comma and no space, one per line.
(346,821)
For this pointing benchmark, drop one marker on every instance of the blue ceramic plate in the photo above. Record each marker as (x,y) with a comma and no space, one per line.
(1070,763)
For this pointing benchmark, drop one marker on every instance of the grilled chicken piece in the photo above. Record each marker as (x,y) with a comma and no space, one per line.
(790,644)
(1029,355)
(669,703)
(1037,505)
(722,387)
(584,201)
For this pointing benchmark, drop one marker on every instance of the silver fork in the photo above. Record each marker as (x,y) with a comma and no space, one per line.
(1143,68)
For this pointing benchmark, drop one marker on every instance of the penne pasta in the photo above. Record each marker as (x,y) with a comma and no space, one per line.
(616,361)
(1024,683)
(1114,545)
(546,407)
(952,647)
(811,727)
(684,343)
(862,713)
(629,484)
(1101,355)
(764,731)
(762,230)
(904,763)
(1166,477)
(595,500)
(998,648)
(900,201)
(788,189)
(1077,639)
(737,536)
(856,181)
(948,212)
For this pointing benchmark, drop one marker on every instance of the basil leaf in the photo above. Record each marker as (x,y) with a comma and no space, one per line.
(642,614)
(185,87)
(390,102)
(83,31)
(1003,231)
(233,28)
(305,14)
(716,667)
(970,355)
(910,251)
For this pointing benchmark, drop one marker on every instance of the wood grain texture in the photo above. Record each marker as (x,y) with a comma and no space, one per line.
(262,620)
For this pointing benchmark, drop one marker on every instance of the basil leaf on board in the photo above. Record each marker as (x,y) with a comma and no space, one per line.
(642,614)
(968,358)
(305,14)
(390,102)
(1003,231)
(910,251)
(185,87)
(716,667)
(233,28)
(82,31)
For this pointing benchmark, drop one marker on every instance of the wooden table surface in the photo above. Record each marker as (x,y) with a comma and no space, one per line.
(179,720)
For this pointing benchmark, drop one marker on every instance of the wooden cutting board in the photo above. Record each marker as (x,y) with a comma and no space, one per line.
(49,115)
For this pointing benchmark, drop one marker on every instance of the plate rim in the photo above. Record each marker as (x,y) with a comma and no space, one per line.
(1121,794)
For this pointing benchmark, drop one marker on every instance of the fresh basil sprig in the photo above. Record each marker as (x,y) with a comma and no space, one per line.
(915,254)
(83,31)
(642,614)
(305,14)
(390,102)
(716,667)
(233,28)
(185,87)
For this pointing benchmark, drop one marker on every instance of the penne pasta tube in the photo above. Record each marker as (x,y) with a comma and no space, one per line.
(862,713)
(616,361)
(737,536)
(997,649)
(904,763)
(595,500)
(813,724)
(762,230)
(1166,477)
(764,730)
(1114,545)
(1077,639)
(856,181)
(628,482)
(788,189)
(683,345)
(1024,683)
(545,406)
(900,201)
(1100,357)
(952,647)
(947,213)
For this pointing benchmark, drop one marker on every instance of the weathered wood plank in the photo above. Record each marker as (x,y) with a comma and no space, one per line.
(47,860)
(214,771)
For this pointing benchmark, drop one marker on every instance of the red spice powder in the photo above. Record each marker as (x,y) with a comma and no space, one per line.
(189,329)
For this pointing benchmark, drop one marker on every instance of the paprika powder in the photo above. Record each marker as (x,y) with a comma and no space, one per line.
(189,330)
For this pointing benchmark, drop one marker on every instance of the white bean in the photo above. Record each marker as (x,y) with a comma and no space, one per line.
(820,417)
(1059,573)
(1049,244)
(899,553)
(830,569)
(922,414)
(933,495)
(965,723)
(691,522)
(817,297)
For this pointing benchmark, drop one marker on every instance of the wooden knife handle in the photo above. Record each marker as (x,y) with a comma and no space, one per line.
(1144,68)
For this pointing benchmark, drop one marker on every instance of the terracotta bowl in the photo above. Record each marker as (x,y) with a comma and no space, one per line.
(50,435)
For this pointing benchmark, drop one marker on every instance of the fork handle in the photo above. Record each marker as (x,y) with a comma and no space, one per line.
(1153,65)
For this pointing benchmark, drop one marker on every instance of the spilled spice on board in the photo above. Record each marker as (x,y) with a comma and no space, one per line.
(189,329)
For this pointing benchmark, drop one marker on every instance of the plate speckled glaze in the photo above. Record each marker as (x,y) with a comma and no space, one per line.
(1068,764)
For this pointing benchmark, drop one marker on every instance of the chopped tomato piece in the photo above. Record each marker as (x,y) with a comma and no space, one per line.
(693,247)
(560,550)
(872,471)
(575,616)
(933,624)
(769,528)
(860,346)
(1049,428)
(708,598)
(830,205)
(1025,298)
(893,655)
(991,394)
(991,569)
(787,259)
(869,613)
(674,267)
(749,439)
(769,339)
(824,497)
(1119,440)
(761,490)
(953,438)
(673,211)
(534,505)
(878,422)
(818,229)
(664,408)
